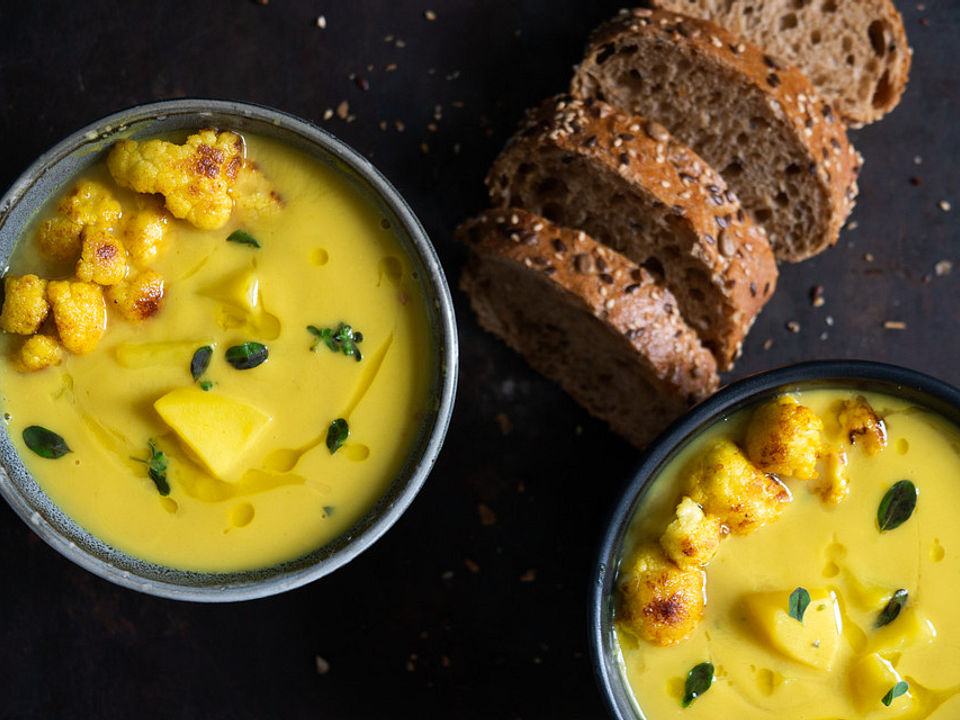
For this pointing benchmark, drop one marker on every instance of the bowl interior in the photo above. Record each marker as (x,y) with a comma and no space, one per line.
(51,174)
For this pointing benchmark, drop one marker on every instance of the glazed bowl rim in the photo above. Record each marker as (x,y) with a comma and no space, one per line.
(244,585)
(733,397)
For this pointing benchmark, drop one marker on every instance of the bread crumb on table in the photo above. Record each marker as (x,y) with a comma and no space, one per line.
(943,268)
(894,325)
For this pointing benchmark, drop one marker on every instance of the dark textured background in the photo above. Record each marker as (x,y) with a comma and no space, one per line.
(455,612)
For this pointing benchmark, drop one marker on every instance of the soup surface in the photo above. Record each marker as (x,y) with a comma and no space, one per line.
(840,661)
(254,472)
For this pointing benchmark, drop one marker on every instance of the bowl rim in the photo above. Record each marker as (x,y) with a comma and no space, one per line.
(747,391)
(445,390)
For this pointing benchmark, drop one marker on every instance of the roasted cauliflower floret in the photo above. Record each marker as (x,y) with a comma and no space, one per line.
(785,437)
(90,203)
(194,178)
(693,538)
(144,232)
(859,421)
(80,313)
(833,486)
(660,602)
(25,304)
(139,298)
(59,238)
(102,257)
(728,486)
(38,352)
(253,195)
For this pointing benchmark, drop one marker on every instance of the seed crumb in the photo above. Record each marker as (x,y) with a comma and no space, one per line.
(322,22)
(943,268)
(399,126)
(793,326)
(391,67)
(445,661)
(816,296)
(823,335)
(917,160)
(894,325)
(361,82)
(529,575)
(768,343)
(424,148)
(430,15)
(343,110)
(323,667)
(916,181)
(382,125)
(852,225)
(944,205)
(327,114)
(506,426)
(829,320)
(388,38)
(471,565)
(400,44)
(487,516)
(446,575)
(868,257)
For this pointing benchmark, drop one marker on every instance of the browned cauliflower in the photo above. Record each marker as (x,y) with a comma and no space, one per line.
(253,195)
(785,437)
(90,203)
(102,258)
(693,538)
(727,485)
(859,421)
(833,486)
(59,238)
(143,233)
(194,178)
(80,313)
(25,304)
(659,602)
(139,298)
(38,352)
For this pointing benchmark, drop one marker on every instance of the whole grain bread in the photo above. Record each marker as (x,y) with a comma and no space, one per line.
(586,317)
(777,143)
(855,53)
(627,183)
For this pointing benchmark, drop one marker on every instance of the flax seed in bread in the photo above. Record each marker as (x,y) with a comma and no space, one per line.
(777,143)
(627,183)
(586,317)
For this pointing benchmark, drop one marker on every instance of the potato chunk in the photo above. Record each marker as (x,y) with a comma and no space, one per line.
(859,421)
(59,238)
(216,429)
(871,678)
(727,485)
(80,313)
(194,178)
(692,539)
(784,437)
(660,602)
(102,257)
(139,298)
(38,352)
(25,304)
(144,232)
(90,203)
(815,641)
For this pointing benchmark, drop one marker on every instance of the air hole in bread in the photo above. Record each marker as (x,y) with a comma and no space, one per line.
(800,4)
(522,170)
(878,37)
(733,169)
(552,211)
(672,250)
(830,6)
(742,138)
(632,81)
(815,37)
(850,60)
(847,43)
(884,92)
(763,215)
(788,21)
(552,187)
(654,267)
(627,50)
(792,169)
(781,199)
(759,123)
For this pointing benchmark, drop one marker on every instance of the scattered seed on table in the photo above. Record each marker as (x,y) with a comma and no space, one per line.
(944,205)
(323,667)
(430,15)
(868,257)
(793,326)
(943,268)
(768,343)
(343,110)
(327,114)
(894,325)
(322,22)
(816,296)
(529,575)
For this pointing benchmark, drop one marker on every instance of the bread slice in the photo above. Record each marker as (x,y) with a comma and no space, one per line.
(631,186)
(780,146)
(855,53)
(586,317)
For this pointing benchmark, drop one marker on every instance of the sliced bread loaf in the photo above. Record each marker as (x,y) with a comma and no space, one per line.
(855,53)
(586,317)
(631,186)
(780,146)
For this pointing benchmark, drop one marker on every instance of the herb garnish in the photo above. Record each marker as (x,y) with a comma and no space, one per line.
(45,443)
(896,691)
(328,510)
(156,467)
(799,599)
(897,505)
(200,361)
(206,385)
(892,608)
(246,356)
(342,338)
(242,237)
(337,434)
(699,680)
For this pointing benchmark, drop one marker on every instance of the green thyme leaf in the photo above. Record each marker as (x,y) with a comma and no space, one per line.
(328,510)
(206,385)
(45,443)
(896,691)
(897,505)
(246,356)
(242,237)
(156,467)
(892,608)
(200,361)
(799,599)
(337,434)
(342,338)
(699,680)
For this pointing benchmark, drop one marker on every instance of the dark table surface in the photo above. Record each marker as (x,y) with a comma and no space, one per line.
(474,604)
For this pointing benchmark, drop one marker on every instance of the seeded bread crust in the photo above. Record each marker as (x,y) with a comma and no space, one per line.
(587,318)
(855,53)
(788,157)
(631,186)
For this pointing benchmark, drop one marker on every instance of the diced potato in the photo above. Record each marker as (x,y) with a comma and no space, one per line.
(784,437)
(151,354)
(217,430)
(25,304)
(143,233)
(814,642)
(240,289)
(139,298)
(860,422)
(80,313)
(911,627)
(90,203)
(102,257)
(59,238)
(692,538)
(871,678)
(38,352)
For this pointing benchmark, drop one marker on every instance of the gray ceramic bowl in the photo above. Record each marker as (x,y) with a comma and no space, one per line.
(847,374)
(51,173)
